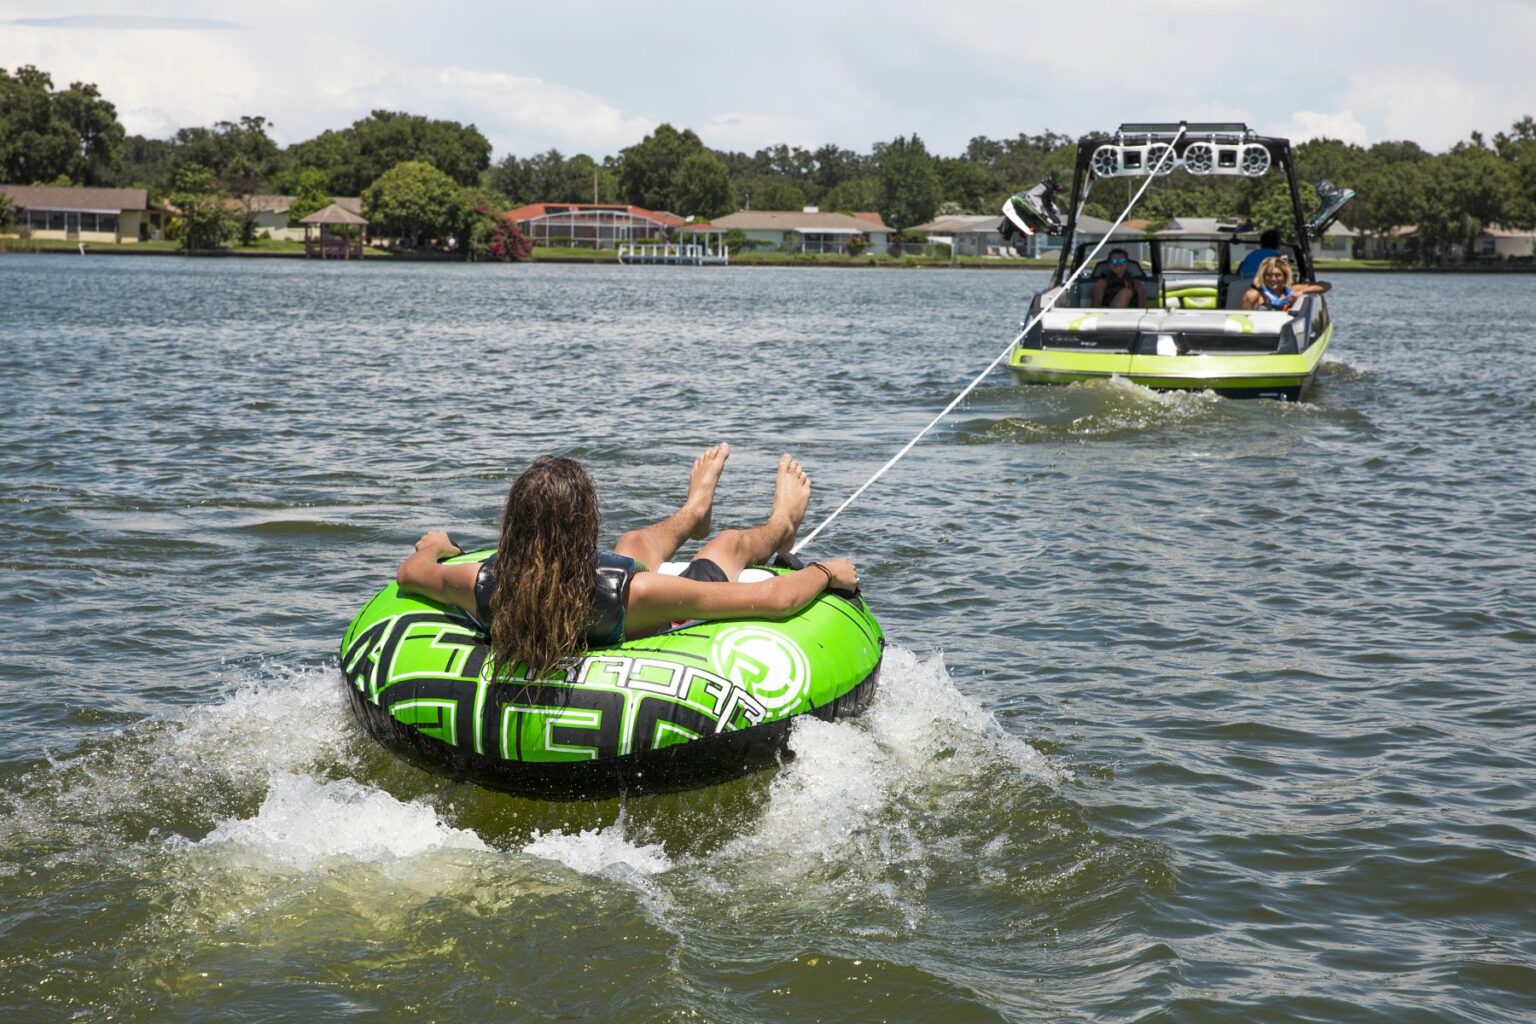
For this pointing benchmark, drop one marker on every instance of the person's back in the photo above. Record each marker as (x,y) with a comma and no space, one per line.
(1269,245)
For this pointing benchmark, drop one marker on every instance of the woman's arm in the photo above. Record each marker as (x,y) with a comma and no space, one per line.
(421,573)
(1313,288)
(656,599)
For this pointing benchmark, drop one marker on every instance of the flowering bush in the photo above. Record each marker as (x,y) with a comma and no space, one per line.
(495,239)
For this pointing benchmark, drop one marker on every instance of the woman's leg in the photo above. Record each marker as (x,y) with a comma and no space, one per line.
(734,550)
(652,545)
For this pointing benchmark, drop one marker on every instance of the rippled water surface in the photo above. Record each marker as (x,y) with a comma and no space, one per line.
(1195,710)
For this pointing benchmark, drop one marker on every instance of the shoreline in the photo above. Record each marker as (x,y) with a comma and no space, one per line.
(904,263)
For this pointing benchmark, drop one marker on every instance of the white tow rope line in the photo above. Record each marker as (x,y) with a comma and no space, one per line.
(1049,305)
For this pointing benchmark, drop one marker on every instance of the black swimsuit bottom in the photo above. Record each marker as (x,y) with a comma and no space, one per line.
(705,571)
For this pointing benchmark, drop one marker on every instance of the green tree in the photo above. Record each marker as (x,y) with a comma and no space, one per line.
(7,213)
(146,163)
(1517,147)
(1466,190)
(240,153)
(854,196)
(772,192)
(645,176)
(48,136)
(910,181)
(357,156)
(550,177)
(505,178)
(1389,198)
(94,122)
(206,217)
(1273,208)
(835,165)
(702,187)
(967,184)
(310,188)
(416,201)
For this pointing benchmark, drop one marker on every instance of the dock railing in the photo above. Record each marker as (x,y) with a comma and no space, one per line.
(689,254)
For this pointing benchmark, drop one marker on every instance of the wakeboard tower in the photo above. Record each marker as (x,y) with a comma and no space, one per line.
(1192,332)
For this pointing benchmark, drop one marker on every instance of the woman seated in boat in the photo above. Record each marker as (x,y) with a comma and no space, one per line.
(1275,287)
(548,593)
(1118,289)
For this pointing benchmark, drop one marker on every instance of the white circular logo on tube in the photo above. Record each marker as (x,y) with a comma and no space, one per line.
(766,664)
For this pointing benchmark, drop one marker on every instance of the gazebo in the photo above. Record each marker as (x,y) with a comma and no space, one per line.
(333,241)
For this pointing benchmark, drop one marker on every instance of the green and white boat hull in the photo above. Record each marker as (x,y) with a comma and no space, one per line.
(1234,353)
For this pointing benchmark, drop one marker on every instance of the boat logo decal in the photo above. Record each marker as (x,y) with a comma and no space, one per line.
(1243,324)
(767,664)
(1086,322)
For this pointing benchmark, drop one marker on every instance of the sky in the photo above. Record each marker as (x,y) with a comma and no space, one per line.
(598,76)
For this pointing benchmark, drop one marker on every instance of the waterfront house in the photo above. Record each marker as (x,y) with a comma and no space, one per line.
(65,213)
(1506,243)
(977,235)
(1493,242)
(967,235)
(591,225)
(1337,243)
(807,230)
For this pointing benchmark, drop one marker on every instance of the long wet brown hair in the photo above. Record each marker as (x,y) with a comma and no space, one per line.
(542,606)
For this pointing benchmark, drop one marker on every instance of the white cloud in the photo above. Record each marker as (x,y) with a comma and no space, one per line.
(1342,125)
(517,113)
(1434,107)
(530,78)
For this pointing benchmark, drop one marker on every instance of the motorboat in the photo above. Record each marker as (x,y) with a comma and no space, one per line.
(1192,331)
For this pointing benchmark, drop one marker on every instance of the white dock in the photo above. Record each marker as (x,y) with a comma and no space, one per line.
(690,254)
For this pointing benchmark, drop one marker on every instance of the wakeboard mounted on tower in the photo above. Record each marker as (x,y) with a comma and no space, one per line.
(1031,212)
(1334,199)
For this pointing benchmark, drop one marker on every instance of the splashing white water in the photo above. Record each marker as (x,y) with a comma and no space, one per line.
(279,719)
(304,822)
(926,724)
(599,851)
(837,799)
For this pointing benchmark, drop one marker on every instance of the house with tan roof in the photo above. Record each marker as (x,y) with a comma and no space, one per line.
(978,235)
(65,213)
(807,230)
(1506,243)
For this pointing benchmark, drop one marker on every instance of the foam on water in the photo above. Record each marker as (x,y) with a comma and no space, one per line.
(179,770)
(304,822)
(599,851)
(855,788)
(925,723)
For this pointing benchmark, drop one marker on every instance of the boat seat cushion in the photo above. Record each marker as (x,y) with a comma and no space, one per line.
(1237,287)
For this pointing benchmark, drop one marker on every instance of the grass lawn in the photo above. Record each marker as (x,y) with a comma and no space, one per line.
(261,247)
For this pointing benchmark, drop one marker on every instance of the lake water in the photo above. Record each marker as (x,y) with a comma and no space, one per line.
(1194,710)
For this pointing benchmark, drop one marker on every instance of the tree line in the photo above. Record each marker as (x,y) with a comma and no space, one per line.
(426,179)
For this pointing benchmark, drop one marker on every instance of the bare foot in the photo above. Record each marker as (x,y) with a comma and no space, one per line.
(791,497)
(702,480)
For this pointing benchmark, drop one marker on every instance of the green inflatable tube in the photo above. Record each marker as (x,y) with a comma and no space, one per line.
(701,703)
